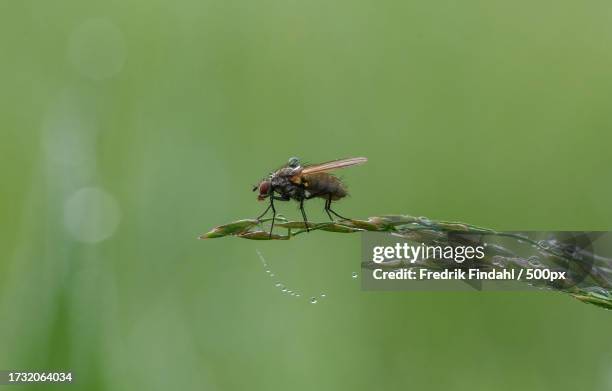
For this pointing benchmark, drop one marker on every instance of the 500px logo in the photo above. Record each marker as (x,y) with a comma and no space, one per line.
(412,254)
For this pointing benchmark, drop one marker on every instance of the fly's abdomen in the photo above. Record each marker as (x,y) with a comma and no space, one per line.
(323,184)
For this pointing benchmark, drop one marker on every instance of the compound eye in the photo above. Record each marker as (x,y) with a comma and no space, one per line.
(264,187)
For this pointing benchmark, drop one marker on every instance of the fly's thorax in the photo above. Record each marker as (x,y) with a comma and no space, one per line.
(287,171)
(284,186)
(278,181)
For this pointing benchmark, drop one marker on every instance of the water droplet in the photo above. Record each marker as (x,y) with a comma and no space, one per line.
(284,290)
(278,285)
(355,275)
(313,300)
(297,295)
(267,271)
(323,295)
(271,274)
(290,292)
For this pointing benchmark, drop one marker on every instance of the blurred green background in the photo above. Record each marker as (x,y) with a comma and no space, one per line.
(130,127)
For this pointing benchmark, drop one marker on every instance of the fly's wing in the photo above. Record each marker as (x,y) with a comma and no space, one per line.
(333,165)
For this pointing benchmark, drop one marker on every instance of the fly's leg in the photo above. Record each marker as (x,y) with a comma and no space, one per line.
(264,213)
(327,204)
(336,214)
(304,214)
(329,209)
(273,213)
(272,198)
